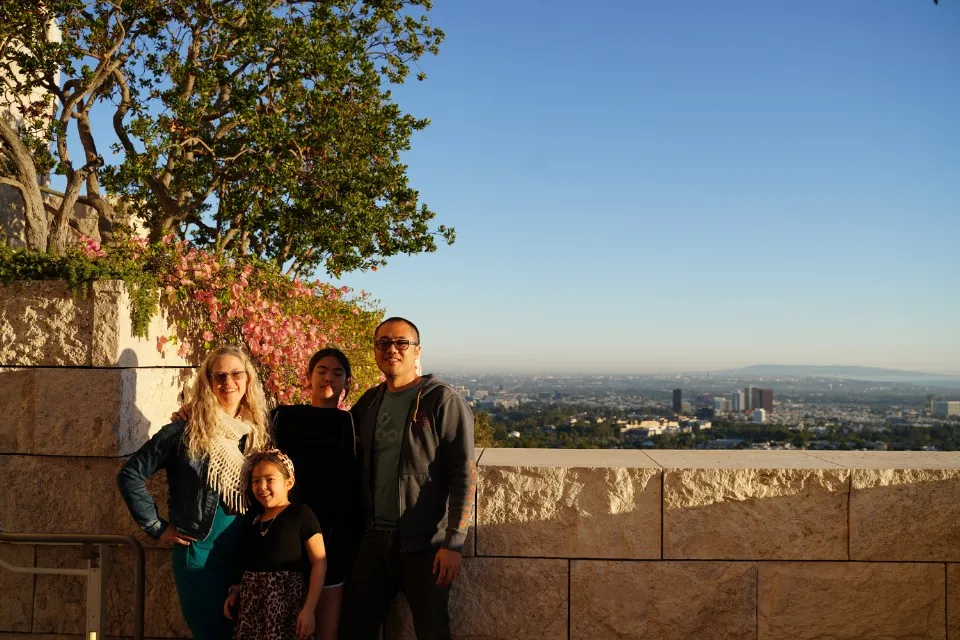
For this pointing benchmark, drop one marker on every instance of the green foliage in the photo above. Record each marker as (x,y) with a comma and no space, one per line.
(531,421)
(80,271)
(482,429)
(262,127)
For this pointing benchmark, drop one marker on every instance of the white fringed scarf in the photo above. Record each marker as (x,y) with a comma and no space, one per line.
(226,462)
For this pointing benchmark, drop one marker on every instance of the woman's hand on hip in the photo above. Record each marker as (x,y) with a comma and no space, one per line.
(170,535)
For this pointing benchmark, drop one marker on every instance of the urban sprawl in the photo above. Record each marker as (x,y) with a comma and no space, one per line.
(712,411)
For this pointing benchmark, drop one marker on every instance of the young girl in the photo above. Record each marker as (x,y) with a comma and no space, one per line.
(279,549)
(204,463)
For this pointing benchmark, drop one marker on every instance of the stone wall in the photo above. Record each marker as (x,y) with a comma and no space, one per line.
(78,393)
(567,543)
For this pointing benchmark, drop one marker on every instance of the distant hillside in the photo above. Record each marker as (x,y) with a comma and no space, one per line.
(874,374)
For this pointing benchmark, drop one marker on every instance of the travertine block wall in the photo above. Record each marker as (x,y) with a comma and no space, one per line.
(716,545)
(78,393)
(42,325)
(567,544)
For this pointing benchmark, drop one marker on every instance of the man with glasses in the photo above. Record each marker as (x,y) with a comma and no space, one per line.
(418,477)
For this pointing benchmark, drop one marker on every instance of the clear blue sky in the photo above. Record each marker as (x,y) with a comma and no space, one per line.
(657,186)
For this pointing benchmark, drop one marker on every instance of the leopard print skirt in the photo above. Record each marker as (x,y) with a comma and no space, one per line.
(270,602)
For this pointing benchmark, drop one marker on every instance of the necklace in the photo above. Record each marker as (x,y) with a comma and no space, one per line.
(263,531)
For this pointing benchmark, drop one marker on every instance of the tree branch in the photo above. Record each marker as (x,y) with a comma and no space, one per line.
(125,103)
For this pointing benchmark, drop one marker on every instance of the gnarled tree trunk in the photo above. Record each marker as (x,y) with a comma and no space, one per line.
(25,181)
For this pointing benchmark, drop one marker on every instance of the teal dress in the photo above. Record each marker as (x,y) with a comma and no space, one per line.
(203,571)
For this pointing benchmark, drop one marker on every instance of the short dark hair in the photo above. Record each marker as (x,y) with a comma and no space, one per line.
(398,319)
(330,351)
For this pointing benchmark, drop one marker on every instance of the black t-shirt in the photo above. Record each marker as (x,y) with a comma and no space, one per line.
(278,544)
(321,445)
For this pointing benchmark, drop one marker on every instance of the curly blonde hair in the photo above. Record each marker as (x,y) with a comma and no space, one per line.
(204,407)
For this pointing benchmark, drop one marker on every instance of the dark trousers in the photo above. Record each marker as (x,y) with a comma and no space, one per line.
(379,572)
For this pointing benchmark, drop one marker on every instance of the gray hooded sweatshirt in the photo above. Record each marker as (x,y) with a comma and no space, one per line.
(437,474)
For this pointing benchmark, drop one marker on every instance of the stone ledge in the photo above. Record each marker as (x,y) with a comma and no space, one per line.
(70,495)
(903,504)
(663,600)
(752,505)
(43,324)
(568,504)
(86,412)
(850,600)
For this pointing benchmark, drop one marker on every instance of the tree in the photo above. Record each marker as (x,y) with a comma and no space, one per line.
(482,429)
(260,127)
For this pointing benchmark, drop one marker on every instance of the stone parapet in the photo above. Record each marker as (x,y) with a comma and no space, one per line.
(568,504)
(500,598)
(953,601)
(42,324)
(903,504)
(752,505)
(584,544)
(16,605)
(59,601)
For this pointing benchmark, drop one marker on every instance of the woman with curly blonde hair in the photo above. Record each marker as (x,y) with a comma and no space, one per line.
(204,461)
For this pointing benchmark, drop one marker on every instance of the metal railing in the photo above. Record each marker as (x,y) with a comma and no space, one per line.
(95,550)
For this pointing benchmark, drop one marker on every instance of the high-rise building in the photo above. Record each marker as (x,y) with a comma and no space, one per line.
(759,416)
(946,408)
(721,405)
(763,399)
(748,398)
(737,404)
(677,400)
(928,403)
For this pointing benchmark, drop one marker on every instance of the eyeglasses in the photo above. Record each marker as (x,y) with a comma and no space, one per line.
(401,345)
(221,376)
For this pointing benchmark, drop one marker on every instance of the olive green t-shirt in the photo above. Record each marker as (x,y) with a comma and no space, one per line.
(387,441)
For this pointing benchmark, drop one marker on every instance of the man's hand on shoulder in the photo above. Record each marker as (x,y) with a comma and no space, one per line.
(183,413)
(446,566)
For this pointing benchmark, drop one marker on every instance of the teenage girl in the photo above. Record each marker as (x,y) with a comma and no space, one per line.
(320,440)
(279,549)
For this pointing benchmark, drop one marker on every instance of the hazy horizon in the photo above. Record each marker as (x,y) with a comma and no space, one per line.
(674,372)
